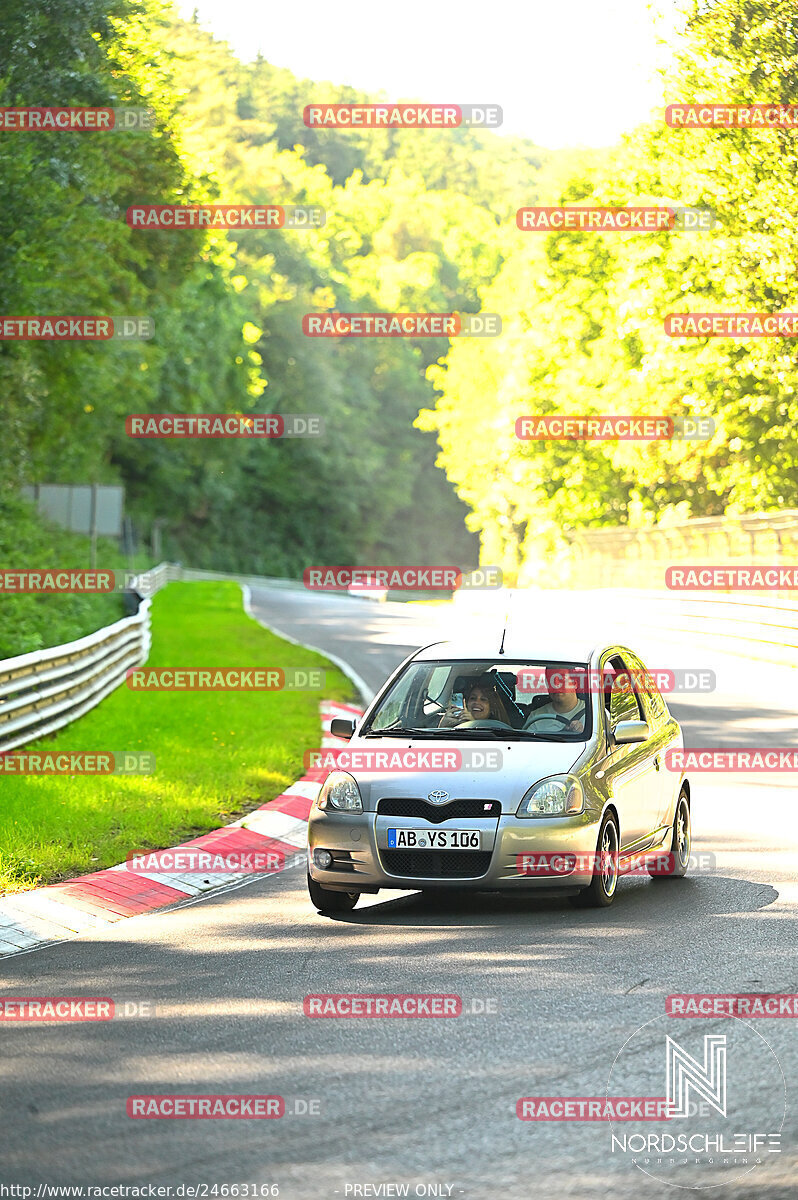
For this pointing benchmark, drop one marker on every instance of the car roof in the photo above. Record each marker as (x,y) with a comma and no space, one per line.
(537,649)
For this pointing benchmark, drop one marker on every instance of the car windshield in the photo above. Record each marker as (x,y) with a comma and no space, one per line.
(536,700)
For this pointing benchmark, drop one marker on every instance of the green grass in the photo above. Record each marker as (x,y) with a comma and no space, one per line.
(218,754)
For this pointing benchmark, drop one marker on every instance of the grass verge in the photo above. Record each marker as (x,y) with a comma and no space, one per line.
(218,754)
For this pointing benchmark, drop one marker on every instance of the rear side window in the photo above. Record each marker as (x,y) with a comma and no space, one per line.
(654,706)
(624,703)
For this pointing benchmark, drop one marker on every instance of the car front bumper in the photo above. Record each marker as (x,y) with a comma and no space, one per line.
(363,861)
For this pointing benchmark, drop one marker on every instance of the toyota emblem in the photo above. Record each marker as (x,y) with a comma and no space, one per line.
(438,797)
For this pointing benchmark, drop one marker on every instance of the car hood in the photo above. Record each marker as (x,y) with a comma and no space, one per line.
(522,765)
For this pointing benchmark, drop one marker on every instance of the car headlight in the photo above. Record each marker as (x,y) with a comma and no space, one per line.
(558,796)
(340,792)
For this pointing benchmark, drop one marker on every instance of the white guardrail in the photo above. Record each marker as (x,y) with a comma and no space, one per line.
(47,689)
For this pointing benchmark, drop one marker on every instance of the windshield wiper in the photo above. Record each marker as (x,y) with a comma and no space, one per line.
(394,731)
(431,733)
(545,737)
(448,731)
(474,733)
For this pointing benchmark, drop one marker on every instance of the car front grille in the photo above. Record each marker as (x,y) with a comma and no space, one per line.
(437,864)
(401,806)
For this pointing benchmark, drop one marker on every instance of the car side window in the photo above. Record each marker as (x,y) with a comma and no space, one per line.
(434,690)
(654,706)
(402,701)
(624,701)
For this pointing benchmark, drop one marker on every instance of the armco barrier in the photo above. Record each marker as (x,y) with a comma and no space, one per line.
(625,557)
(47,689)
(197,575)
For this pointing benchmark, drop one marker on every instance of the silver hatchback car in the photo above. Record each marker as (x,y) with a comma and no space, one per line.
(503,768)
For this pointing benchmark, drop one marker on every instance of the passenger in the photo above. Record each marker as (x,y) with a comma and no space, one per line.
(565,710)
(485,704)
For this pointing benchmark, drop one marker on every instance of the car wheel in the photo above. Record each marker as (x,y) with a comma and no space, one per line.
(680,843)
(328,901)
(601,892)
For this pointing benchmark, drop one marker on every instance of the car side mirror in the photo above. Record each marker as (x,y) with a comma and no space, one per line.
(631,731)
(342,727)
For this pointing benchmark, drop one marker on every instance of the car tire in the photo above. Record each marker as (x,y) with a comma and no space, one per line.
(680,842)
(328,901)
(601,891)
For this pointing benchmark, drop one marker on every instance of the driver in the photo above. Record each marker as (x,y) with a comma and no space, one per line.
(565,710)
(485,704)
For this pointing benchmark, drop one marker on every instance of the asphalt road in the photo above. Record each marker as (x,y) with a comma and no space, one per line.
(550,997)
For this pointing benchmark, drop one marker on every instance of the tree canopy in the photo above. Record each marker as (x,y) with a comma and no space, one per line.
(419,461)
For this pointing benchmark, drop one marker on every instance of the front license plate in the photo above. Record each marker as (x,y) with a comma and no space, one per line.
(434,839)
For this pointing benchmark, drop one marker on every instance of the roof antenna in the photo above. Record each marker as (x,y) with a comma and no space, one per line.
(506,622)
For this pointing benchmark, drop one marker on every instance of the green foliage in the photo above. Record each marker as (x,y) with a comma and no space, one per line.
(584,316)
(31,622)
(412,223)
(419,458)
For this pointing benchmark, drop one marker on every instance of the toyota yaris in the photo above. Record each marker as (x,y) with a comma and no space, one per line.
(503,767)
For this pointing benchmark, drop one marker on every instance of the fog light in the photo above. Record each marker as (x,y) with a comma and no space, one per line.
(323,859)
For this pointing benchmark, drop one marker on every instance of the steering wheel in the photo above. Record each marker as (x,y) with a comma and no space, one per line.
(564,720)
